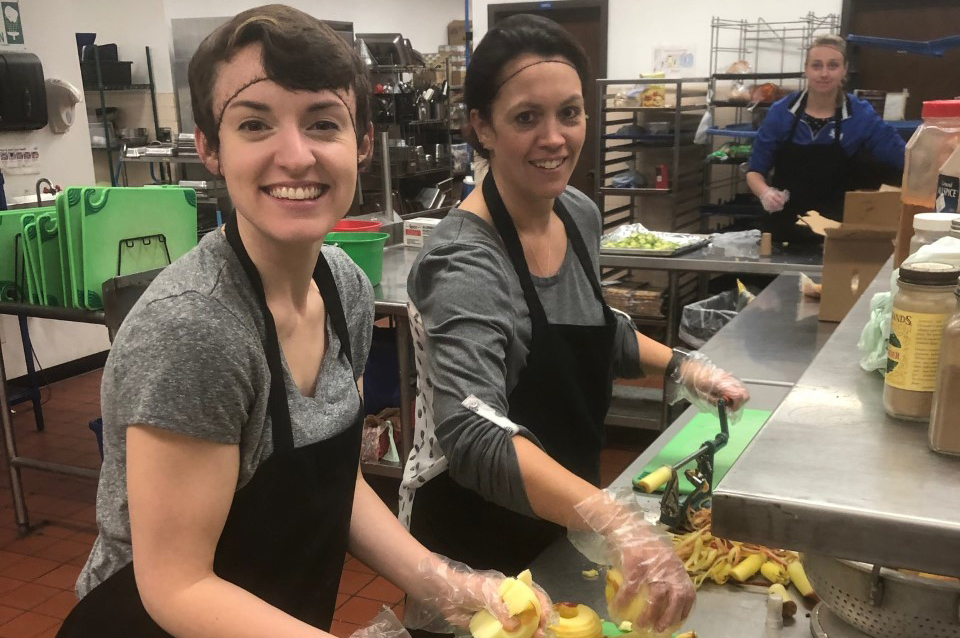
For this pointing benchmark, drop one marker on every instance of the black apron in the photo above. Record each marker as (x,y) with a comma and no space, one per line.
(817,176)
(562,397)
(286,534)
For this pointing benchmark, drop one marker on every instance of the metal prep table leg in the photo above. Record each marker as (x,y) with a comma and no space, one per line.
(673,307)
(10,447)
(31,371)
(406,395)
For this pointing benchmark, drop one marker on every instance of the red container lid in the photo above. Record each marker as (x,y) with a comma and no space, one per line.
(357,225)
(940,108)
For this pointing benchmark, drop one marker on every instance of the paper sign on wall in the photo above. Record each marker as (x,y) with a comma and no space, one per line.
(12,24)
(20,160)
(675,59)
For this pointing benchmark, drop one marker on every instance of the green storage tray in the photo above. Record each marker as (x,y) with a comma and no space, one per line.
(12,257)
(29,223)
(701,428)
(51,273)
(113,217)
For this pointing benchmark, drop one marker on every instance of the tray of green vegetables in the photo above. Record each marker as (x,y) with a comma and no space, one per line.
(636,239)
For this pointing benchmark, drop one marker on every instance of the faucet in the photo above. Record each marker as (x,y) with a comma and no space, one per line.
(49,188)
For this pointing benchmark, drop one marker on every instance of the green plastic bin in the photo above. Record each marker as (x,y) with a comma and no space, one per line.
(364,248)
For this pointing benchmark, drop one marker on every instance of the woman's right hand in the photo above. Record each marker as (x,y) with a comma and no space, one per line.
(647,563)
(774,199)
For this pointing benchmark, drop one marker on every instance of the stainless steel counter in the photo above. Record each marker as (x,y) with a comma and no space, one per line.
(774,339)
(832,473)
(718,260)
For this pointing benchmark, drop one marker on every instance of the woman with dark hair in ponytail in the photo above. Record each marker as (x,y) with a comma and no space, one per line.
(516,349)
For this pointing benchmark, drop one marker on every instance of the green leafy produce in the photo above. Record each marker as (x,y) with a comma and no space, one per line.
(645,241)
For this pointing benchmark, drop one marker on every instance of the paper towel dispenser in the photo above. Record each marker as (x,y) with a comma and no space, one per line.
(23,97)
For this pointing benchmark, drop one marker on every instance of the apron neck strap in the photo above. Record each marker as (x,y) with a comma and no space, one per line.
(282,428)
(511,239)
(801,109)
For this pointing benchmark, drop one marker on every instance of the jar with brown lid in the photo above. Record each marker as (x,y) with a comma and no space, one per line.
(945,418)
(920,311)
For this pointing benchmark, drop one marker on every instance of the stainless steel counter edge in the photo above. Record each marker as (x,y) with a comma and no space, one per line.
(831,472)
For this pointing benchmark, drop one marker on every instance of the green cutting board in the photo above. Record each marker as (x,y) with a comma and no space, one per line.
(701,428)
(12,256)
(114,216)
(29,243)
(70,219)
(51,273)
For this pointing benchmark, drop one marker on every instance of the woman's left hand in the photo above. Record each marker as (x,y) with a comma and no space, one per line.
(454,592)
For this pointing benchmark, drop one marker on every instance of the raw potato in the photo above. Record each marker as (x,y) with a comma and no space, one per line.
(789,605)
(747,567)
(522,603)
(576,621)
(799,579)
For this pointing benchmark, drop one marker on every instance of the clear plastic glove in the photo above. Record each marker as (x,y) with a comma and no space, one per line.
(701,383)
(655,588)
(452,592)
(384,625)
(774,199)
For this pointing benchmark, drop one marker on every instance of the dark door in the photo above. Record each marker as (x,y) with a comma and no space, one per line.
(926,77)
(586,20)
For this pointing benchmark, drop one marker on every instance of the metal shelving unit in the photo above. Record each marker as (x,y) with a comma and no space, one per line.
(775,51)
(102,89)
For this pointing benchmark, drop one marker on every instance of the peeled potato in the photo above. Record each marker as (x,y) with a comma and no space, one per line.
(636,606)
(576,621)
(522,603)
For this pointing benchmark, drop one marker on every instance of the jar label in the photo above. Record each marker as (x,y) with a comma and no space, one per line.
(947,188)
(914,349)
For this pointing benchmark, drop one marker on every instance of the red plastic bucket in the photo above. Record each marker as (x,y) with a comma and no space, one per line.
(357,226)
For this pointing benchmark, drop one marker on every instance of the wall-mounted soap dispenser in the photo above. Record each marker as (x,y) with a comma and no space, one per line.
(23,97)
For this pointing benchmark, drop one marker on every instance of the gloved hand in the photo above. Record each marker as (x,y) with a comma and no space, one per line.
(701,383)
(452,592)
(774,199)
(655,583)
(384,625)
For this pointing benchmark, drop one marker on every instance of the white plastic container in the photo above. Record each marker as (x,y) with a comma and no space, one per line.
(929,227)
(948,183)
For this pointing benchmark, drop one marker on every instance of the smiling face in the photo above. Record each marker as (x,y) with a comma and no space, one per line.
(536,127)
(825,69)
(289,158)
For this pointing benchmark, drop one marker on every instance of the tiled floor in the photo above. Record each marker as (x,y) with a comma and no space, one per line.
(38,571)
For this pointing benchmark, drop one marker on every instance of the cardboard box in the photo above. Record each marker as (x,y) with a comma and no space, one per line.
(457,32)
(855,251)
(416,231)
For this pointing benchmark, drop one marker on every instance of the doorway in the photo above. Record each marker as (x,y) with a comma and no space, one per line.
(586,20)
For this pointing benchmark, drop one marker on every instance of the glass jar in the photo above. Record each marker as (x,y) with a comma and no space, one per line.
(944,421)
(921,307)
(929,227)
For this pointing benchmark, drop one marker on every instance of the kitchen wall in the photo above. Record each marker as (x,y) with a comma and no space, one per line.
(66,160)
(636,27)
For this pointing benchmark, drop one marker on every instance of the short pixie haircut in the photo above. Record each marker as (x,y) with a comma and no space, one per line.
(300,53)
(515,36)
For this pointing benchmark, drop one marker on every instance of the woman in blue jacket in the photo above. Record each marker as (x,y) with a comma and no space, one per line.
(820,143)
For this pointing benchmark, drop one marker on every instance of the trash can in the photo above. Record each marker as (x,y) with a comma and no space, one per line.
(703,319)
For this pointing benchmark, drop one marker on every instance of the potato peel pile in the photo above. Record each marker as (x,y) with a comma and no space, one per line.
(707,556)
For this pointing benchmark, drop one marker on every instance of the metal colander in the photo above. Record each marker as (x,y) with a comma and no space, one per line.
(885,603)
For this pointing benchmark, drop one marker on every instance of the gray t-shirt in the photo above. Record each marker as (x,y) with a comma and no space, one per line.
(189,358)
(478,334)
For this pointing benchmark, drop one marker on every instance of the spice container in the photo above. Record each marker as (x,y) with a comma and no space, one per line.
(944,421)
(921,307)
(929,227)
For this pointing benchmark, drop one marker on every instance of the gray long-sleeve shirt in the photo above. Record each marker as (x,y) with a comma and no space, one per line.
(477,335)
